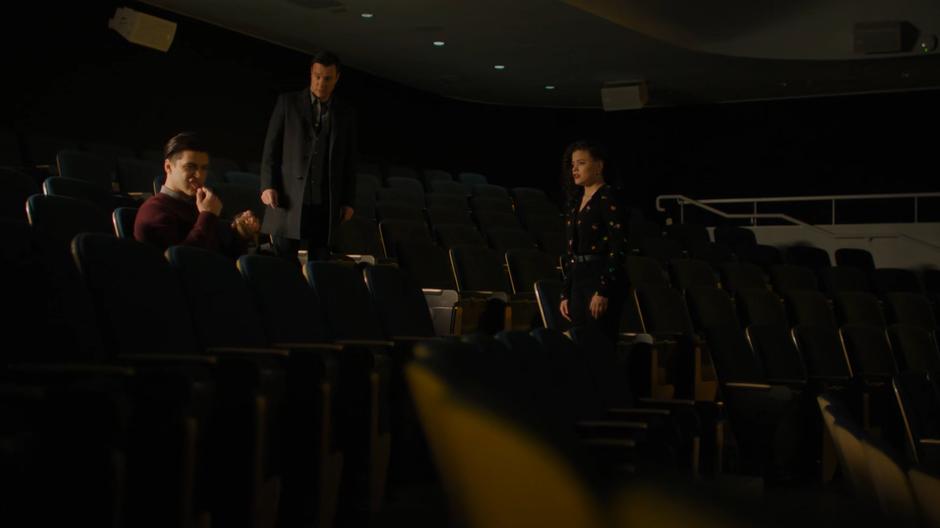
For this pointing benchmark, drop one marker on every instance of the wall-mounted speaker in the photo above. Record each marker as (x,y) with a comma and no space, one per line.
(143,29)
(624,95)
(885,37)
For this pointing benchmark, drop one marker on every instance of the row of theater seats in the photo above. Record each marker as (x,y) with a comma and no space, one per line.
(520,216)
(131,170)
(476,279)
(471,268)
(243,393)
(497,413)
(375,172)
(771,349)
(69,206)
(762,418)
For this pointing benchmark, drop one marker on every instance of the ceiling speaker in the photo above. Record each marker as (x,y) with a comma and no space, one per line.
(143,29)
(624,96)
(884,37)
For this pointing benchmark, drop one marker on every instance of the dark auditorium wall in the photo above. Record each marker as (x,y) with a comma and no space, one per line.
(71,76)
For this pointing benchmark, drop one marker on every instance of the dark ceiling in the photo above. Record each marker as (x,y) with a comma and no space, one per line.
(687,51)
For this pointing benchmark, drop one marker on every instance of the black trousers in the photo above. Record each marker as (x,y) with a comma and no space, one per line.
(585,278)
(314,235)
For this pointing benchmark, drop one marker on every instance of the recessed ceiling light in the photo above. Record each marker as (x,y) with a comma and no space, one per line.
(549,86)
(499,67)
(438,43)
(367,15)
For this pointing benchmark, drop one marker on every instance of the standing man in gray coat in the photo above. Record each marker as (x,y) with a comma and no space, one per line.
(308,167)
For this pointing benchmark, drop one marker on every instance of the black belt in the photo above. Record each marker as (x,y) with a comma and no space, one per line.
(588,258)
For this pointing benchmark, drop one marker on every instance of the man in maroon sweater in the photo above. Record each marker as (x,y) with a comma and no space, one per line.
(185,212)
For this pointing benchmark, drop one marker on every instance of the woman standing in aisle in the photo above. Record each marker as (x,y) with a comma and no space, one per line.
(594,288)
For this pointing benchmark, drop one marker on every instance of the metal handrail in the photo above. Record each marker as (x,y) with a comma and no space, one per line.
(833,198)
(823,198)
(703,204)
(681,199)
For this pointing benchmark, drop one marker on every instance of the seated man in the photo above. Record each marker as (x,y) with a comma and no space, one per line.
(185,212)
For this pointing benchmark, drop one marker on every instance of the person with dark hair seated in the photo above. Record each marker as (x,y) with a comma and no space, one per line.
(185,211)
(594,285)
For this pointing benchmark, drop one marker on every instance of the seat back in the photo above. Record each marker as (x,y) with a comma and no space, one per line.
(400,196)
(843,278)
(810,307)
(774,346)
(432,175)
(868,350)
(855,258)
(503,239)
(552,242)
(687,234)
(123,220)
(820,347)
(395,231)
(914,347)
(245,179)
(528,266)
(57,219)
(735,237)
(733,359)
(471,178)
(918,397)
(811,257)
(357,236)
(80,189)
(344,299)
(459,235)
(218,298)
(859,308)
(911,308)
(136,293)
(484,190)
(663,311)
(237,198)
(710,306)
(736,276)
(401,171)
(289,309)
(399,303)
(758,307)
(690,273)
(489,219)
(788,277)
(449,215)
(661,249)
(548,295)
(890,280)
(762,255)
(500,204)
(446,201)
(478,269)
(714,254)
(449,187)
(399,210)
(136,176)
(92,168)
(427,264)
(645,271)
(409,185)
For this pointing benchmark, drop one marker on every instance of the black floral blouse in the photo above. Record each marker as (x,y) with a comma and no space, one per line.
(598,229)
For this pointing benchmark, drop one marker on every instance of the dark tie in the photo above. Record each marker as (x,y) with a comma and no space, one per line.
(317,115)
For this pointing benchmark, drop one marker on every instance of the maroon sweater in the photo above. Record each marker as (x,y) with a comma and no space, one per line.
(165,221)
